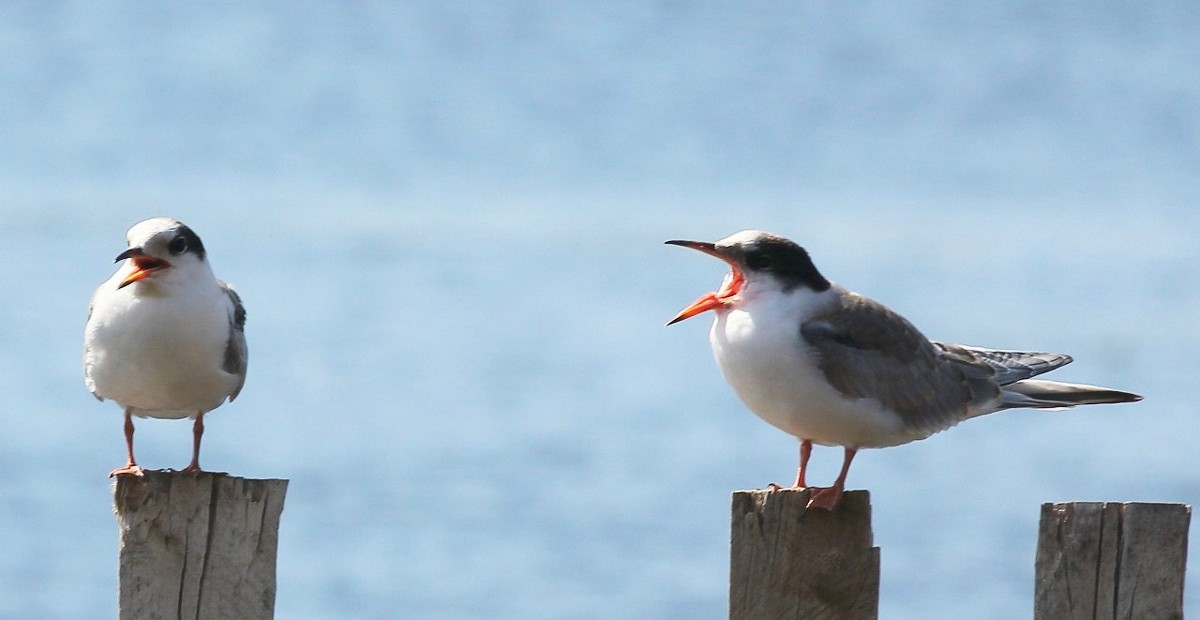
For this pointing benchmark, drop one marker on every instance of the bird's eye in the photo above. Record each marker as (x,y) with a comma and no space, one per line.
(758,261)
(178,246)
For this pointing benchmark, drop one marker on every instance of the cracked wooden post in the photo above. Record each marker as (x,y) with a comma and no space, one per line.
(197,546)
(790,562)
(1111,560)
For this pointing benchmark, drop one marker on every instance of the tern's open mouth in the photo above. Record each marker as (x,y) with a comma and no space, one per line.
(732,285)
(711,301)
(143,267)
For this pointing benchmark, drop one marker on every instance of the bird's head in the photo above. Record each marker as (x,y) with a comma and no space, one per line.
(757,260)
(158,247)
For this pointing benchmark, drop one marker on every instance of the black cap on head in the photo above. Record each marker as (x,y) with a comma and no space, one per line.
(760,252)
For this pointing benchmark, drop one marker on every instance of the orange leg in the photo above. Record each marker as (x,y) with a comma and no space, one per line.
(197,433)
(805,453)
(828,499)
(131,467)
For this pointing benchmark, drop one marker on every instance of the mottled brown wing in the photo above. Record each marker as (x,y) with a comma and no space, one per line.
(868,351)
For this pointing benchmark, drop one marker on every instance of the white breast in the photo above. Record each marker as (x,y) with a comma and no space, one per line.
(159,354)
(758,347)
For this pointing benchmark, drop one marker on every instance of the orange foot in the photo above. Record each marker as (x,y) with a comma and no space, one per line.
(130,469)
(825,498)
(193,468)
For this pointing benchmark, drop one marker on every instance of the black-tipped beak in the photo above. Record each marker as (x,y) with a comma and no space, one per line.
(711,301)
(703,246)
(144,266)
(130,253)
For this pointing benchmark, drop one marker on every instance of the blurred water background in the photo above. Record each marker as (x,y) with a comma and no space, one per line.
(446,221)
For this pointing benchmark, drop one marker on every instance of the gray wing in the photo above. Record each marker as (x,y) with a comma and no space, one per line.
(868,351)
(1013,366)
(236,353)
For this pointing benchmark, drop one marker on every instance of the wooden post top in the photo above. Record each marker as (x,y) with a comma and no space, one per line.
(197,545)
(789,561)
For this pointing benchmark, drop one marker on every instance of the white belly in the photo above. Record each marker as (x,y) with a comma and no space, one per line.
(160,356)
(773,371)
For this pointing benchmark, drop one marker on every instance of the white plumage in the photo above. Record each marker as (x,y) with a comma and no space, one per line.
(164,338)
(832,367)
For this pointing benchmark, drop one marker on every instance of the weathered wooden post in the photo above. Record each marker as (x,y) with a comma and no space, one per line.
(1111,560)
(197,546)
(790,562)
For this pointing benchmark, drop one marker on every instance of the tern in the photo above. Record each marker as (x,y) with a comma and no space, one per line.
(835,368)
(164,337)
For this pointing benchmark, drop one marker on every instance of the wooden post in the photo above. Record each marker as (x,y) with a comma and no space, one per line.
(197,546)
(1111,560)
(790,562)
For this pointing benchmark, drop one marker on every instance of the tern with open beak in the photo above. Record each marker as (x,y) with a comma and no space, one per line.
(832,367)
(164,337)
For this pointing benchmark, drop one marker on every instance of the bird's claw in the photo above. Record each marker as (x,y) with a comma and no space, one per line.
(826,498)
(822,498)
(130,469)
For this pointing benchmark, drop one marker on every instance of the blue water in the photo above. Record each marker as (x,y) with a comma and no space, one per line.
(446,222)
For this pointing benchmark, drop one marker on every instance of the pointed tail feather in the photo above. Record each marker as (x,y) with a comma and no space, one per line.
(1048,394)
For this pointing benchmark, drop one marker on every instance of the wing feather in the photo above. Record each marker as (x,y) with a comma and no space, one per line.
(1013,366)
(236,352)
(868,351)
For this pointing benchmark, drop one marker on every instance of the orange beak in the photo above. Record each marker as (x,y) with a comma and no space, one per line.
(710,300)
(143,266)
